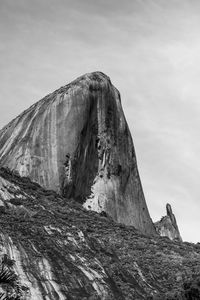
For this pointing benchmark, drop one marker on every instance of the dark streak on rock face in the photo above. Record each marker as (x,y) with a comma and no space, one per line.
(76,141)
(84,164)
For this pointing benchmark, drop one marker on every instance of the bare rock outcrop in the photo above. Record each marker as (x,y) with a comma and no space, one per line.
(76,141)
(167,226)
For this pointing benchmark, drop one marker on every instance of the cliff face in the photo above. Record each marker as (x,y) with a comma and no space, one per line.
(54,249)
(76,141)
(167,226)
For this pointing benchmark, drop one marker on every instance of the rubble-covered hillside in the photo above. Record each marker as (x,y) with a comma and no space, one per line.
(52,248)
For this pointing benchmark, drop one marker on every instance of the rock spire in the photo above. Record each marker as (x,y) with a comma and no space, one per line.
(167,226)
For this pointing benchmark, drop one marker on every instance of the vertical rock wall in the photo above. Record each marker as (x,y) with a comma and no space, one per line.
(76,141)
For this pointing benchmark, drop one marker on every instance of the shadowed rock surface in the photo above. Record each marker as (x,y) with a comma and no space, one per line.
(167,226)
(53,249)
(76,141)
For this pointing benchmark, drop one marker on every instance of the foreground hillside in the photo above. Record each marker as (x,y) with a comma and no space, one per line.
(52,248)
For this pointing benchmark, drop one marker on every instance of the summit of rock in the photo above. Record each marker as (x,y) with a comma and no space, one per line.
(76,141)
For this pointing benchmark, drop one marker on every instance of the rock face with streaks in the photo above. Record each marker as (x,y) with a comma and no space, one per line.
(167,226)
(76,141)
(53,249)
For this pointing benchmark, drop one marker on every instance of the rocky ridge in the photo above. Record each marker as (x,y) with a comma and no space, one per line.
(51,248)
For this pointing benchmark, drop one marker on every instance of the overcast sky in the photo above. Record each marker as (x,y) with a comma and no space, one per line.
(151,51)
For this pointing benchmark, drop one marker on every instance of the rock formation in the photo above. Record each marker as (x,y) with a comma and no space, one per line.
(76,141)
(54,249)
(167,226)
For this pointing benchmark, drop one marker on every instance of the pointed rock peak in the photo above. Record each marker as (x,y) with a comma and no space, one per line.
(76,141)
(169,209)
(167,226)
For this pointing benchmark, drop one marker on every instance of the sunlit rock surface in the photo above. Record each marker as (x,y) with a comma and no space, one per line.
(54,249)
(76,141)
(167,226)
